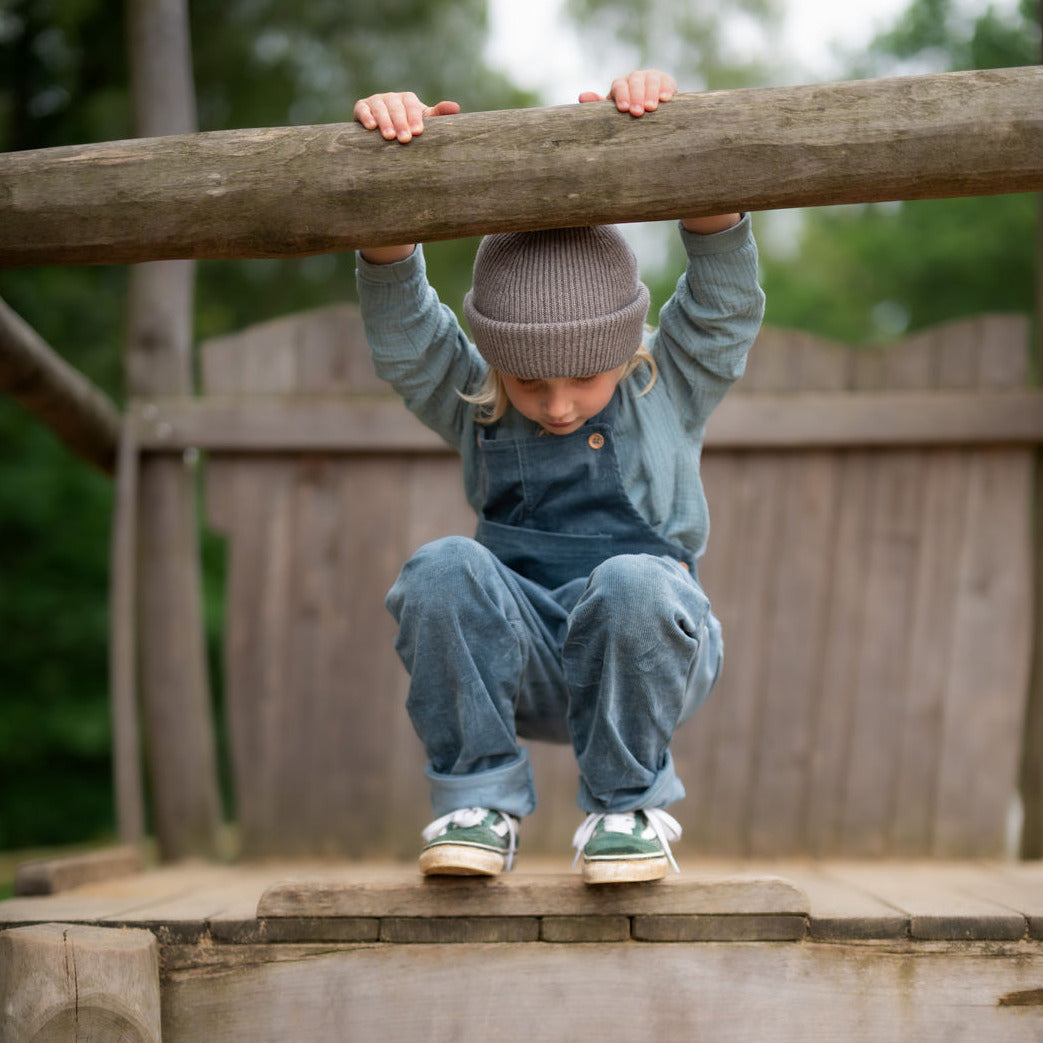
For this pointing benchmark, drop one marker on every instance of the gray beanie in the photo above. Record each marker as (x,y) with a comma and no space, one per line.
(560,303)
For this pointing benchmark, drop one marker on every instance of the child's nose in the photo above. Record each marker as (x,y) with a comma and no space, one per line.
(558,403)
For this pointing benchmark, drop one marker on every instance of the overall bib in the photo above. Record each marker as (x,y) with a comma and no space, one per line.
(568,619)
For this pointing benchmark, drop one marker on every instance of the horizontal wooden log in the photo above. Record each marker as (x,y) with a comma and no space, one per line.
(293,191)
(39,379)
(759,420)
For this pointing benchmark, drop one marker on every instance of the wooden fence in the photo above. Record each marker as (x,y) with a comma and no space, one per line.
(873,573)
(294,191)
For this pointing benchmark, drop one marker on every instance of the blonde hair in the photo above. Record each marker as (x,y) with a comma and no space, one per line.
(491,396)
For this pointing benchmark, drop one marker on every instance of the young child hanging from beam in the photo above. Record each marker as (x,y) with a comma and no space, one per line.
(575,614)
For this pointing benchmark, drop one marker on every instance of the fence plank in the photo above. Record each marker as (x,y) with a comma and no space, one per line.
(849,581)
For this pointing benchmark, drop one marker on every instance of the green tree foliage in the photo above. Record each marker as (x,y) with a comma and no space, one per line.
(63,80)
(690,39)
(307,63)
(867,273)
(704,44)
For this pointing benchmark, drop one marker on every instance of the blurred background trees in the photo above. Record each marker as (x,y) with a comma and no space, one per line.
(859,274)
(864,274)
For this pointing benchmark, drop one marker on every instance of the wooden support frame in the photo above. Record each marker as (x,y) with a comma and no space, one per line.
(123,646)
(292,191)
(157,503)
(39,379)
(801,420)
(73,981)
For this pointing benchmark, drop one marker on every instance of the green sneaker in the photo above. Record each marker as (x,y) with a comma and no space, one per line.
(469,842)
(626,847)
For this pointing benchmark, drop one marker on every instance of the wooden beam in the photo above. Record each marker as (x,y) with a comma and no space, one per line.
(129,791)
(1031,778)
(877,419)
(292,191)
(759,420)
(39,379)
(177,715)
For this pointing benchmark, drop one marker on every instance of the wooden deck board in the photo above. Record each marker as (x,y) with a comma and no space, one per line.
(540,895)
(879,951)
(936,900)
(292,902)
(840,912)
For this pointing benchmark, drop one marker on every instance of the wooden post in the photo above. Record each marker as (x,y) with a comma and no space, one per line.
(60,982)
(177,716)
(1032,751)
(293,191)
(123,658)
(79,413)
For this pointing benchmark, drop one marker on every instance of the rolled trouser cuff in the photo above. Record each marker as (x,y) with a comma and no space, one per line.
(663,789)
(508,788)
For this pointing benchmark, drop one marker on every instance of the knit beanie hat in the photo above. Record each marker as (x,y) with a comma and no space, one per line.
(560,303)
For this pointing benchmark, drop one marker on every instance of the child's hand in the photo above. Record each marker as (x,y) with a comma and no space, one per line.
(641,92)
(399,115)
(638,93)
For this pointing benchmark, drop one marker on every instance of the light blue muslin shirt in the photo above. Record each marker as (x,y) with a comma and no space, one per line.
(700,347)
(612,661)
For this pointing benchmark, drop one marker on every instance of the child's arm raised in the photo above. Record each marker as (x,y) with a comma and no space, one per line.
(398,116)
(641,92)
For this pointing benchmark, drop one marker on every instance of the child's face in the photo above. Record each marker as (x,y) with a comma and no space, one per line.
(561,405)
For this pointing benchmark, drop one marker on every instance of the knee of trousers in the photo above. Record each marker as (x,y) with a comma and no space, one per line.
(438,571)
(630,593)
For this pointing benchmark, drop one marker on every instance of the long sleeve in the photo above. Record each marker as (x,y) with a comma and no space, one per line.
(417,344)
(707,327)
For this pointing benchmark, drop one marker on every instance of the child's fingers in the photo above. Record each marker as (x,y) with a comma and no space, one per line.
(399,115)
(407,115)
(642,91)
(443,108)
(394,115)
(380,112)
(657,86)
(364,114)
(591,96)
(620,93)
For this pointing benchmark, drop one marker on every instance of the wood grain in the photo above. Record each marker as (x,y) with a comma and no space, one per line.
(854,578)
(62,981)
(612,992)
(41,381)
(535,895)
(301,190)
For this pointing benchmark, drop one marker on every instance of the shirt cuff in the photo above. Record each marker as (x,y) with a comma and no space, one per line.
(733,238)
(406,270)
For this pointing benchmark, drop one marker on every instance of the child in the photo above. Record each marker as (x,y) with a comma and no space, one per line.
(575,614)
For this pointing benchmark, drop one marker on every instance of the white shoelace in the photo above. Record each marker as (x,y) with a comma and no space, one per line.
(465,818)
(665,827)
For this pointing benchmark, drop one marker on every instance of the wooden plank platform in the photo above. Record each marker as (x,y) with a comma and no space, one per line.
(369,901)
(817,950)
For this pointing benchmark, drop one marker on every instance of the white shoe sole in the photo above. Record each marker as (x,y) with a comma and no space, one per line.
(624,871)
(460,860)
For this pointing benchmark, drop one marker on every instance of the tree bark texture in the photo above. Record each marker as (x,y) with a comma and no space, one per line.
(39,379)
(177,718)
(293,191)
